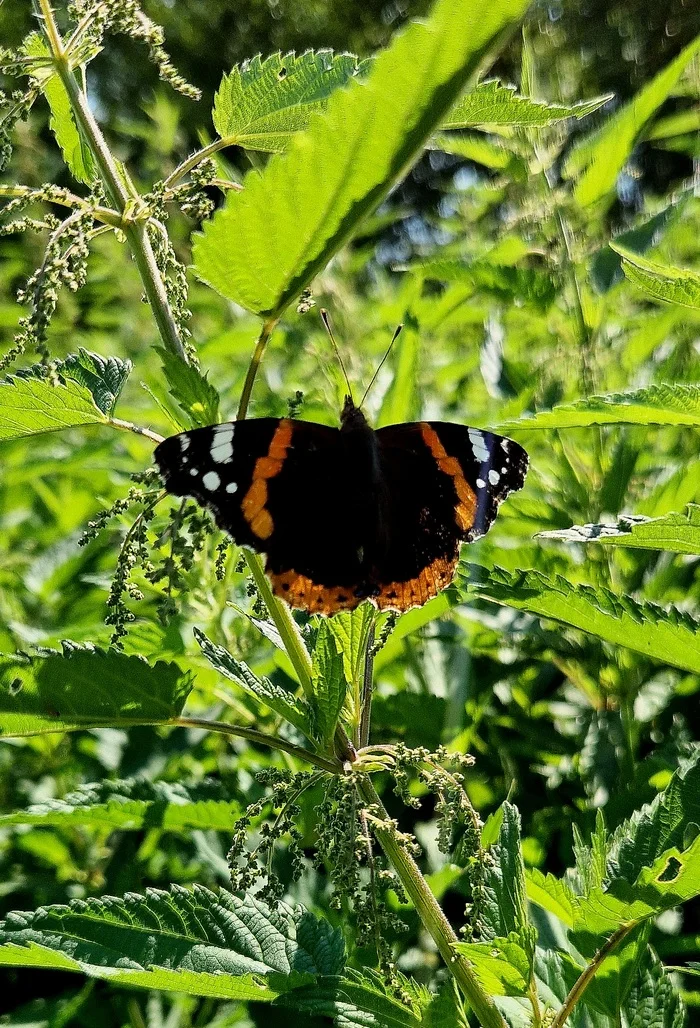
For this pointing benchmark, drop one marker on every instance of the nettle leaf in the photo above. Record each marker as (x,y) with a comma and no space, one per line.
(526,284)
(30,406)
(103,376)
(85,687)
(269,240)
(198,942)
(501,965)
(600,157)
(550,893)
(401,401)
(652,1001)
(664,404)
(492,103)
(657,826)
(193,392)
(263,102)
(76,152)
(284,703)
(131,804)
(606,263)
(665,634)
(505,908)
(350,629)
(676,533)
(661,281)
(328,679)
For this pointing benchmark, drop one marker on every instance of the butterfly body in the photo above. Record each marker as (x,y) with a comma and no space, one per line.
(350,513)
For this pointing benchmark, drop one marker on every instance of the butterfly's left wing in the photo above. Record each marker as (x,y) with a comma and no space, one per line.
(443,486)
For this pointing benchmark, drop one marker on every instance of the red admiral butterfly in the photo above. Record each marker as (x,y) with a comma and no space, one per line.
(347,514)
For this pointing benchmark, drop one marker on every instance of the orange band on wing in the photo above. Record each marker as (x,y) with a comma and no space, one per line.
(254,501)
(417,591)
(299,591)
(465,508)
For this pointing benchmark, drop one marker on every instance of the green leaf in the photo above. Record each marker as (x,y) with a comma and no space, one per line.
(668,635)
(84,687)
(501,965)
(262,103)
(473,147)
(75,150)
(195,395)
(284,703)
(677,533)
(30,406)
(400,402)
(135,803)
(664,404)
(606,263)
(653,1001)
(350,629)
(492,103)
(525,284)
(328,679)
(505,907)
(197,942)
(363,1000)
(599,157)
(550,893)
(103,376)
(661,281)
(269,240)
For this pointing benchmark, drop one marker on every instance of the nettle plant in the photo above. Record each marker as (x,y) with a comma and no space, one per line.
(338,134)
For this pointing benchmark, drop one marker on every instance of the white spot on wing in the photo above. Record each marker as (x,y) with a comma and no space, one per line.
(479,449)
(184,442)
(494,477)
(222,446)
(211,481)
(194,471)
(232,487)
(480,483)
(503,470)
(504,445)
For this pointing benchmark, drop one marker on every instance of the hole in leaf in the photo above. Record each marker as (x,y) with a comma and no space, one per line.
(282,73)
(671,871)
(16,686)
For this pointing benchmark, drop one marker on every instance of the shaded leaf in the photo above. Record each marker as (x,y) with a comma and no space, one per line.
(677,533)
(526,284)
(505,908)
(30,406)
(194,393)
(103,376)
(653,1002)
(661,281)
(492,103)
(668,635)
(84,687)
(268,241)
(400,402)
(664,404)
(198,942)
(606,263)
(350,629)
(262,103)
(328,679)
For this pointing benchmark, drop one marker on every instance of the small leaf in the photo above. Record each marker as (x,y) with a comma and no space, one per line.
(526,284)
(30,406)
(400,402)
(676,533)
(550,893)
(262,103)
(602,154)
(350,629)
(492,103)
(131,804)
(664,404)
(328,679)
(273,696)
(267,242)
(501,965)
(606,263)
(362,1000)
(505,908)
(661,281)
(197,942)
(103,376)
(76,152)
(84,687)
(195,395)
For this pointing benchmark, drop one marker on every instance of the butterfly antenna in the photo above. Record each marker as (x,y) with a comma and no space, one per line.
(327,322)
(395,336)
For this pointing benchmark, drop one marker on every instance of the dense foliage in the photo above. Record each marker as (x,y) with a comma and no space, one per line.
(219,812)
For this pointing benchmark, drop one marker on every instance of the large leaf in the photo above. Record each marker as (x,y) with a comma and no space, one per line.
(492,103)
(663,404)
(653,1001)
(677,533)
(84,687)
(668,635)
(29,406)
(602,155)
(663,282)
(262,103)
(273,696)
(363,1000)
(550,893)
(501,965)
(197,942)
(76,152)
(269,240)
(131,804)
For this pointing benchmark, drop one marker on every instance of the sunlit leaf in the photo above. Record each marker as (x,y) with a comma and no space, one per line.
(661,281)
(328,679)
(30,406)
(501,965)
(268,241)
(192,390)
(665,404)
(678,533)
(492,103)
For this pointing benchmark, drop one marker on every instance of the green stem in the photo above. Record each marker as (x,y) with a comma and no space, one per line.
(431,915)
(128,426)
(124,198)
(261,739)
(255,361)
(196,158)
(589,973)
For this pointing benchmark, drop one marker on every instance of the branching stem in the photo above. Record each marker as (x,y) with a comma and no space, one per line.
(589,973)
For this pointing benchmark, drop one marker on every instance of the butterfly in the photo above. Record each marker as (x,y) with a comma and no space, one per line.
(347,514)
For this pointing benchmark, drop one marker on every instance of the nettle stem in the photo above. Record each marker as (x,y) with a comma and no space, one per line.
(122,194)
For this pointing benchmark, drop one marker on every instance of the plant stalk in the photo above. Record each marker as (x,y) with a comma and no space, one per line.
(432,917)
(589,973)
(122,195)
(261,739)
